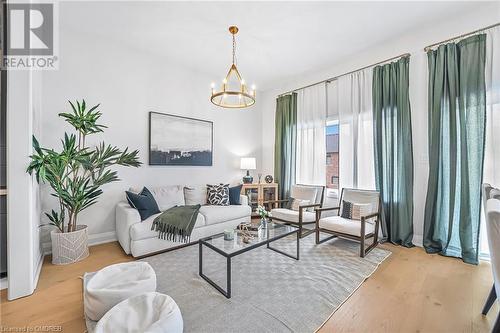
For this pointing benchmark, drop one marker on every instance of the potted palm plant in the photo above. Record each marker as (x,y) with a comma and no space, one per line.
(76,175)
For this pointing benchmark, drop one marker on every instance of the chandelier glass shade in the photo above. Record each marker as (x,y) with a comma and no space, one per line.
(234,92)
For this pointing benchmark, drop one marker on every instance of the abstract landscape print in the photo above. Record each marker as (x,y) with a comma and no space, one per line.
(182,141)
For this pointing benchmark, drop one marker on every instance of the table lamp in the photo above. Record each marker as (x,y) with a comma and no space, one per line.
(248,163)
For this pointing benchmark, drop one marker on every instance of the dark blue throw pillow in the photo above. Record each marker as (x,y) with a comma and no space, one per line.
(234,195)
(144,202)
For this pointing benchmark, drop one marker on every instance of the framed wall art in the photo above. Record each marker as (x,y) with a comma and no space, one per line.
(181,141)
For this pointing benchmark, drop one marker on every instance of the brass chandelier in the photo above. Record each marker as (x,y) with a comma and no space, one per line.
(234,92)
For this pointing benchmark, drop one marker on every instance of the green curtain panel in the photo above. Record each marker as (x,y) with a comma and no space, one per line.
(285,143)
(393,150)
(457,116)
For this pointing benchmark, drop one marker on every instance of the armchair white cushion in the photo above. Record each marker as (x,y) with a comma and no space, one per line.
(309,193)
(296,203)
(345,226)
(292,215)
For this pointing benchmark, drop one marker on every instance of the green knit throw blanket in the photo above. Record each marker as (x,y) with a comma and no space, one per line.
(176,223)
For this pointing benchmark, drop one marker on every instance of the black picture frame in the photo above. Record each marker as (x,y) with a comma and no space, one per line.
(173,156)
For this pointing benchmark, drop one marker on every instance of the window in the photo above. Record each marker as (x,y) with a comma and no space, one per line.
(335,182)
(332,155)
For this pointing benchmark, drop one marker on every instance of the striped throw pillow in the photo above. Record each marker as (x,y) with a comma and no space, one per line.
(354,211)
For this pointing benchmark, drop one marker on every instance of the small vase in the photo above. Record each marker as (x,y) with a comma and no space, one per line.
(263,222)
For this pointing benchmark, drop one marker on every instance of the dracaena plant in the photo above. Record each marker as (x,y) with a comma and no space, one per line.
(77,172)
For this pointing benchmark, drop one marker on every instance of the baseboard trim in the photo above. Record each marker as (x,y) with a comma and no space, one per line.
(38,269)
(103,237)
(95,239)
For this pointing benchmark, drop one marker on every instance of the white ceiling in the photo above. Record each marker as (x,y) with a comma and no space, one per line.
(276,40)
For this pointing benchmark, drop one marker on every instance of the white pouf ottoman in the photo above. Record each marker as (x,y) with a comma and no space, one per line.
(146,313)
(115,283)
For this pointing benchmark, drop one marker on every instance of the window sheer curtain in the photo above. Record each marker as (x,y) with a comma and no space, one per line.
(311,136)
(491,171)
(354,108)
(492,77)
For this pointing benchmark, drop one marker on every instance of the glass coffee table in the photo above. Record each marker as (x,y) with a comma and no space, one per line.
(232,248)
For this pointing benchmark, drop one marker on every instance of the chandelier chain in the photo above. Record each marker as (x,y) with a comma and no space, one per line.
(234,50)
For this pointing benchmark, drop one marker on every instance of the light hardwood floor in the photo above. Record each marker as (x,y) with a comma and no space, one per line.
(410,292)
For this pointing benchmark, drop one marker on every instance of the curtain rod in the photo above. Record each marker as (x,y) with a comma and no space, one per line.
(354,71)
(428,47)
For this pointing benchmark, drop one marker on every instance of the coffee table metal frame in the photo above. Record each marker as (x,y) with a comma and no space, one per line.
(228,256)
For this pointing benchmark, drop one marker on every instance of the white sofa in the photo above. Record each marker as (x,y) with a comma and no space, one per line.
(137,238)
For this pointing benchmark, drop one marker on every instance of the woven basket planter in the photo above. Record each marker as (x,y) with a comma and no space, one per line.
(70,247)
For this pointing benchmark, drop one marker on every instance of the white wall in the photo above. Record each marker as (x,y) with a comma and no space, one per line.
(129,83)
(409,43)
(24,256)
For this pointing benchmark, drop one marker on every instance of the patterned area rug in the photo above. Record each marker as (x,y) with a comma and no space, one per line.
(270,292)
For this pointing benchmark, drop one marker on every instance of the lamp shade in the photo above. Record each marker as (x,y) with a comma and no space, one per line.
(248,163)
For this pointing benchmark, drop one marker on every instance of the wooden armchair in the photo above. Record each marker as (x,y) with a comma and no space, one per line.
(312,195)
(358,230)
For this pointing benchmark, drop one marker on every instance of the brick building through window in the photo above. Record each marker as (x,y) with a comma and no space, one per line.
(332,156)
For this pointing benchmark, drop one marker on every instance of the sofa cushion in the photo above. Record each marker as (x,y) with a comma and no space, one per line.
(195,195)
(345,226)
(143,230)
(167,196)
(218,214)
(292,215)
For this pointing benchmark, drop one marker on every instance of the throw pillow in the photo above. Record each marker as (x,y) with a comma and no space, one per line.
(296,203)
(354,211)
(144,202)
(234,195)
(359,210)
(218,195)
(195,195)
